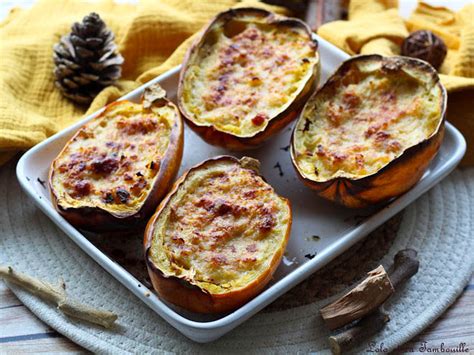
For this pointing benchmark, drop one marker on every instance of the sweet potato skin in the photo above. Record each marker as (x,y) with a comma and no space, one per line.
(232,142)
(394,179)
(181,292)
(99,220)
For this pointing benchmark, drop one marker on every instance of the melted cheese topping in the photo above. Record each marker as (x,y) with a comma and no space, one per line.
(238,84)
(359,124)
(221,229)
(113,160)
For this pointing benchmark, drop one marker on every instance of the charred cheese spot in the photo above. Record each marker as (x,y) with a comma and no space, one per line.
(100,167)
(238,82)
(221,228)
(360,122)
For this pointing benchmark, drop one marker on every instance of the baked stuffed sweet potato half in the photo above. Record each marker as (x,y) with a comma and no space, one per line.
(247,76)
(370,132)
(217,238)
(113,172)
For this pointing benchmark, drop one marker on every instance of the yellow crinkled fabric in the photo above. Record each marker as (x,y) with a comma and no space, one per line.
(374,26)
(152,36)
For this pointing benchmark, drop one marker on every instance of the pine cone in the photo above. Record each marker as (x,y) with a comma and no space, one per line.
(86,60)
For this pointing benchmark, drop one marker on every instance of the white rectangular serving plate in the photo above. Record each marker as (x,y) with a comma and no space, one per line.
(338,228)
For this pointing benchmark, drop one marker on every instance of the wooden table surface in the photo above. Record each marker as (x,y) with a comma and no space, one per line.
(22,332)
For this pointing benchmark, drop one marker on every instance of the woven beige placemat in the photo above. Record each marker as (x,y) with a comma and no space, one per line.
(440,225)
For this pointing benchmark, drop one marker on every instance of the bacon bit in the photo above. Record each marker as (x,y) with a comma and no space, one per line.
(137,187)
(142,126)
(249,260)
(259,119)
(208,205)
(338,157)
(249,195)
(305,60)
(218,235)
(394,146)
(177,240)
(173,214)
(233,48)
(334,115)
(219,259)
(320,152)
(282,59)
(381,136)
(389,96)
(267,52)
(224,78)
(238,210)
(104,166)
(350,100)
(108,197)
(113,145)
(252,248)
(267,221)
(249,101)
(198,236)
(126,165)
(82,188)
(359,158)
(122,194)
(76,166)
(255,81)
(154,165)
(221,88)
(222,207)
(63,168)
(371,130)
(227,62)
(252,35)
(185,252)
(232,249)
(127,177)
(316,171)
(85,134)
(139,174)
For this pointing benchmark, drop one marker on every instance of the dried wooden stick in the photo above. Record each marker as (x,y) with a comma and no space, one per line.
(365,328)
(360,301)
(405,265)
(57,295)
(88,313)
(43,290)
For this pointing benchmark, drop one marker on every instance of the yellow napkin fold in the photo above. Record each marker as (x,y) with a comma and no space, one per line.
(374,26)
(152,36)
(352,36)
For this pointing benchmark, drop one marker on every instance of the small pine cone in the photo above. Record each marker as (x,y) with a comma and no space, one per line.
(86,60)
(425,45)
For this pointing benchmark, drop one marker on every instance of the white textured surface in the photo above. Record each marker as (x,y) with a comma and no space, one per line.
(440,226)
